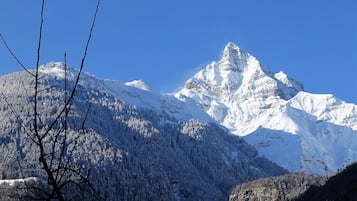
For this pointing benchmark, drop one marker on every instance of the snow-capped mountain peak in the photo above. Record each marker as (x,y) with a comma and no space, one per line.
(233,58)
(237,81)
(238,73)
(299,130)
(53,68)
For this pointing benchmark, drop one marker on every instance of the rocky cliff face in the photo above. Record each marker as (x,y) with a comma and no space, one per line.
(280,188)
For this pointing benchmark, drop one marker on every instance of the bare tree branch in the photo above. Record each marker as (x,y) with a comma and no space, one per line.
(14,55)
(56,146)
(36,126)
(17,116)
(37,70)
(70,98)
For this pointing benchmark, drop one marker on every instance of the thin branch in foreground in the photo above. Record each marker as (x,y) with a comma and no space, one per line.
(37,134)
(14,55)
(68,104)
(36,74)
(56,175)
(13,111)
(55,161)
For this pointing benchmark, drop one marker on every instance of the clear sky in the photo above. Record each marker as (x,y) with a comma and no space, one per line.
(165,42)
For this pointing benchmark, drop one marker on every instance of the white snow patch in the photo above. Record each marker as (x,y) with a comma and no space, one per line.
(139,84)
(53,68)
(13,182)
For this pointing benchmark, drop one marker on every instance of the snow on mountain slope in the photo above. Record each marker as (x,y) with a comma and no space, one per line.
(326,107)
(316,146)
(298,130)
(135,93)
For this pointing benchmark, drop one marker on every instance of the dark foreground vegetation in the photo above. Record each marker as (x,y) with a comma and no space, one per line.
(341,187)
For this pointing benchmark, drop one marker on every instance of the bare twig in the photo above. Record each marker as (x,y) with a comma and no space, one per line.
(56,157)
(37,72)
(39,137)
(14,55)
(55,175)
(13,111)
(70,98)
(75,142)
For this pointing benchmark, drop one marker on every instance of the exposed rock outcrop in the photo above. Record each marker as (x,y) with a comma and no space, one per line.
(279,188)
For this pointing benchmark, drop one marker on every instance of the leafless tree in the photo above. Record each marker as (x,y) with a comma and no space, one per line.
(63,179)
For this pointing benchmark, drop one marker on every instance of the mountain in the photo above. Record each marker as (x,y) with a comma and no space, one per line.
(298,130)
(137,144)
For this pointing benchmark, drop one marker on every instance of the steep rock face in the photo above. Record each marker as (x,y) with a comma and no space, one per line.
(298,130)
(282,188)
(139,145)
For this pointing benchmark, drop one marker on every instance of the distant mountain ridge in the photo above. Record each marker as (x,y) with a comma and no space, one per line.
(298,130)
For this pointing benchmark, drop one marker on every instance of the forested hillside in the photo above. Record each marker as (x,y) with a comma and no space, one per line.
(130,152)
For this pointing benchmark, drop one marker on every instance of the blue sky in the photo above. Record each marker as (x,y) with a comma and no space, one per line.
(165,42)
